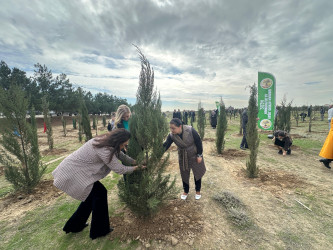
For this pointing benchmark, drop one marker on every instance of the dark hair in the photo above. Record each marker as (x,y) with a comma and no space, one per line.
(176,121)
(112,139)
(282,133)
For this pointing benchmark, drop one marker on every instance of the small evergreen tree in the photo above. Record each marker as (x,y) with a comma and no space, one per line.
(94,122)
(80,127)
(311,117)
(74,122)
(282,119)
(201,121)
(19,152)
(104,121)
(146,191)
(47,120)
(64,129)
(252,136)
(85,120)
(240,121)
(221,130)
(296,115)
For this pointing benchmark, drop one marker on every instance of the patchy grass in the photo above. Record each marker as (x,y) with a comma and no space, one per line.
(235,208)
(42,229)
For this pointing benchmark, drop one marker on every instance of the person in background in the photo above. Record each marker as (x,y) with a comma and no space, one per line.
(283,141)
(327,150)
(189,154)
(213,119)
(79,176)
(330,116)
(123,114)
(174,114)
(245,119)
(322,112)
(111,122)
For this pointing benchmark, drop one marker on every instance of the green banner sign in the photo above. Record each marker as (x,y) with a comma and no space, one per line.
(266,100)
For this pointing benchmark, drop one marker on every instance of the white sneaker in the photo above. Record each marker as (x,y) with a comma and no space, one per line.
(183,196)
(197,196)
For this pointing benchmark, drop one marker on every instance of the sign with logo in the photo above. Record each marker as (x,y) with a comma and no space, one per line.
(266,100)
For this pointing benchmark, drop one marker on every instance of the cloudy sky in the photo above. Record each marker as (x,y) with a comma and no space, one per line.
(199,50)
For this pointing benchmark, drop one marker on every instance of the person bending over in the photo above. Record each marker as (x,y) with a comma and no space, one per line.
(283,142)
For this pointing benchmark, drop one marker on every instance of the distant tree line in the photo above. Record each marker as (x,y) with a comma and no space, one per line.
(61,95)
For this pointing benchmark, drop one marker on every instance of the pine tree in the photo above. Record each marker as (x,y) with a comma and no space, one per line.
(85,120)
(252,136)
(146,191)
(201,121)
(221,130)
(19,152)
(47,120)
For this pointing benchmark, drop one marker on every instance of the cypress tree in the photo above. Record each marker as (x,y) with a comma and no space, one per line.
(19,152)
(296,115)
(64,129)
(85,120)
(144,192)
(282,119)
(74,122)
(47,120)
(104,121)
(252,136)
(94,122)
(240,121)
(201,121)
(221,130)
(80,127)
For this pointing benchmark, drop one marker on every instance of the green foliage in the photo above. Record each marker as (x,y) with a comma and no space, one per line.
(201,121)
(47,120)
(221,129)
(94,122)
(252,137)
(19,152)
(282,119)
(80,127)
(64,129)
(85,120)
(146,191)
(74,122)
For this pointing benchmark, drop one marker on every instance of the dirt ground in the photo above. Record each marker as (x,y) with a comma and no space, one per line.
(284,183)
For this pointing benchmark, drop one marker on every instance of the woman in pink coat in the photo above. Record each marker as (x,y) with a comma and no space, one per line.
(78,175)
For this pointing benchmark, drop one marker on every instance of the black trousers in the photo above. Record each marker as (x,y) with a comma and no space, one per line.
(281,143)
(244,142)
(197,186)
(96,203)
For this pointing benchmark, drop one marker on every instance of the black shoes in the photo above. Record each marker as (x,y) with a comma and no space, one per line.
(326,162)
(101,235)
(75,230)
(280,152)
(289,151)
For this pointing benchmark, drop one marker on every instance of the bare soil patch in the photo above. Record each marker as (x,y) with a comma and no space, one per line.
(177,221)
(233,153)
(276,182)
(55,151)
(17,203)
